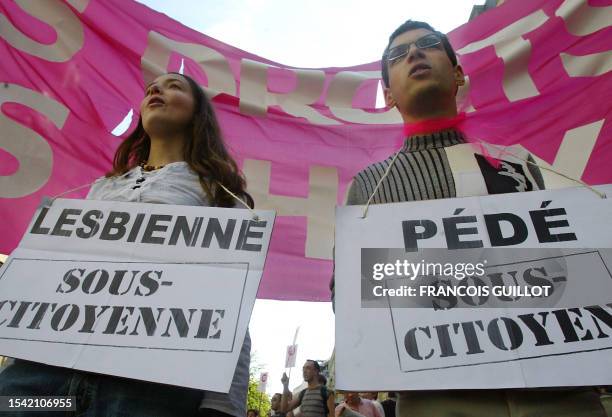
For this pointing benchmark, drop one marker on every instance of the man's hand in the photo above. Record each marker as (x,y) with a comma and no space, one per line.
(285,380)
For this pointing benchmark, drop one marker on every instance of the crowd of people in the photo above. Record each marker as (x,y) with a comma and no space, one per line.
(317,400)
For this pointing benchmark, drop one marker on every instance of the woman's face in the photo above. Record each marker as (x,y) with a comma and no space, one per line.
(168,106)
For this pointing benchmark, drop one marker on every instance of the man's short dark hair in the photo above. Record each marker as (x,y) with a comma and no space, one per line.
(315,363)
(412,25)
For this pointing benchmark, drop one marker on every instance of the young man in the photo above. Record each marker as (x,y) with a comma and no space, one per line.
(315,400)
(421,77)
(275,404)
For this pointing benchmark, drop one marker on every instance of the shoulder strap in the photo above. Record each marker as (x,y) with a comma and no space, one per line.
(324,395)
(301,396)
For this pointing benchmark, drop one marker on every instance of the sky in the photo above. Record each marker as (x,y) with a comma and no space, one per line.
(306,34)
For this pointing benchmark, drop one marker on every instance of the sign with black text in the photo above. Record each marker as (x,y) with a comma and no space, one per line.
(156,292)
(501,291)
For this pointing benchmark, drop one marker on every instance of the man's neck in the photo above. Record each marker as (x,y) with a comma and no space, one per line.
(420,118)
(433,105)
(312,385)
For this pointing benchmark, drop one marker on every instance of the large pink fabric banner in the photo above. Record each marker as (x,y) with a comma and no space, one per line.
(539,75)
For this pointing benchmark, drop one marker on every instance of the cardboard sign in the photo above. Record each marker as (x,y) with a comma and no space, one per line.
(291,355)
(263,381)
(502,291)
(116,288)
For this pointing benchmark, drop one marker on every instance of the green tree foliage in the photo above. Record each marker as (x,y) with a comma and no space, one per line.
(257,400)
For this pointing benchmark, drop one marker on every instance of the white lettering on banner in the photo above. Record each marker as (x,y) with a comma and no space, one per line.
(31,150)
(155,59)
(318,207)
(514,51)
(255,97)
(80,5)
(340,99)
(572,156)
(588,65)
(60,17)
(582,19)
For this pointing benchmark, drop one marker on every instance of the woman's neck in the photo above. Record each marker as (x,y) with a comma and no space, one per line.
(165,151)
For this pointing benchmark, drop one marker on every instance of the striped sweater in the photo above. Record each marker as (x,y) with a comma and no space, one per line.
(420,172)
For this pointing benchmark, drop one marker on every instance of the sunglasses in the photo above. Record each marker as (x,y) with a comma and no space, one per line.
(428,41)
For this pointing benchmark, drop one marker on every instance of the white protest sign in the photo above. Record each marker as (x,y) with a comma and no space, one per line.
(155,292)
(291,355)
(263,381)
(532,308)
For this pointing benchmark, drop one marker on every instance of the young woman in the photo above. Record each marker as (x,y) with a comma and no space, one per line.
(176,155)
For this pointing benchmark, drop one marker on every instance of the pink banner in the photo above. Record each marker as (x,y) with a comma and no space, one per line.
(71,72)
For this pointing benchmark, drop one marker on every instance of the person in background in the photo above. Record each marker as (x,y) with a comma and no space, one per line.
(389,404)
(373,396)
(315,400)
(275,403)
(252,412)
(352,401)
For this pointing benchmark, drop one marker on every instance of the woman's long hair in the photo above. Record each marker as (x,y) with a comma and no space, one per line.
(204,151)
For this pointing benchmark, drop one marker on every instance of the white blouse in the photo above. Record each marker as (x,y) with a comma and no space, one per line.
(175,183)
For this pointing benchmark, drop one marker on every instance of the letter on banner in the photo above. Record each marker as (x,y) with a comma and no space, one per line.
(514,50)
(155,60)
(572,156)
(582,19)
(340,99)
(31,150)
(56,14)
(318,207)
(255,97)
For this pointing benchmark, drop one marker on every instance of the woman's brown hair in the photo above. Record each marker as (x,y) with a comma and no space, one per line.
(204,152)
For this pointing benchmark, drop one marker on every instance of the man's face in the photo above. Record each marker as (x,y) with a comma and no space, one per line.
(420,73)
(309,371)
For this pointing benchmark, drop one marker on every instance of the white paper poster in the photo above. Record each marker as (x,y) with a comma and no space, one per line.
(155,292)
(504,291)
(291,355)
